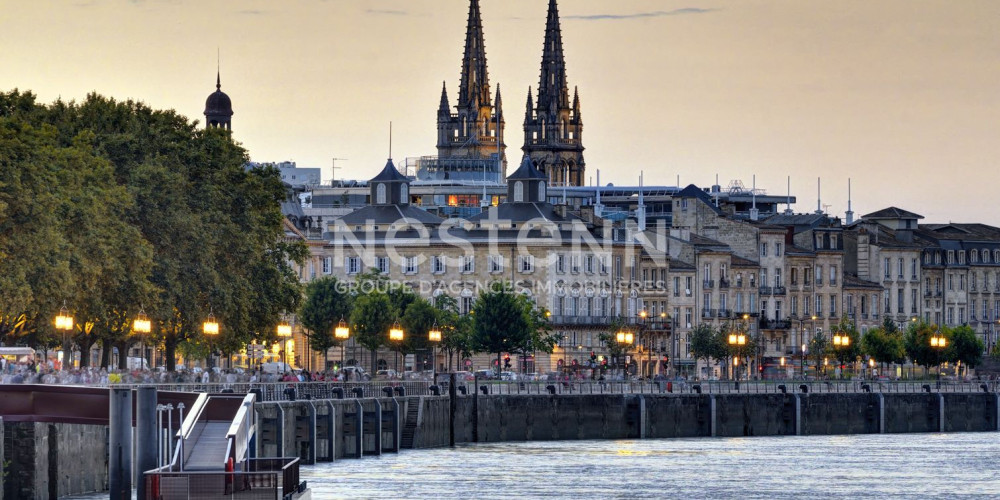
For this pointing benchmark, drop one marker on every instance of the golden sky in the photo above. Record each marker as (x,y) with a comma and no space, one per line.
(902,96)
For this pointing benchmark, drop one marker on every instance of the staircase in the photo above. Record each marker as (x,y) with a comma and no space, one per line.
(410,427)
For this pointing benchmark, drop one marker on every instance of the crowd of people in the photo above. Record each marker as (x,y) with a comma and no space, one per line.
(31,372)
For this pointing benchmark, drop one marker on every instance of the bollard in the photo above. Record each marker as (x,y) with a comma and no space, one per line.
(290,393)
(120,443)
(435,390)
(463,390)
(804,388)
(400,391)
(866,388)
(338,392)
(387,391)
(485,390)
(783,389)
(696,388)
(358,392)
(984,388)
(551,389)
(145,436)
(926,388)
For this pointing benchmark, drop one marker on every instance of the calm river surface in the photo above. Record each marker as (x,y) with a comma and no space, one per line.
(859,466)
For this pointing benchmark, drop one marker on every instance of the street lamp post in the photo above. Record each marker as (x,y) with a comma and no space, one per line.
(396,335)
(211,329)
(434,336)
(840,342)
(284,332)
(802,361)
(64,323)
(645,339)
(736,342)
(142,325)
(938,343)
(342,332)
(625,339)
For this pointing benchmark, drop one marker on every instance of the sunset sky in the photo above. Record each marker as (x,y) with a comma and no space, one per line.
(901,96)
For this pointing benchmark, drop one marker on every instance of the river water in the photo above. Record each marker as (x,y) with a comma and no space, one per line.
(858,466)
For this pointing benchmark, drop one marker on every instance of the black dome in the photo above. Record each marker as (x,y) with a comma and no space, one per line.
(218,103)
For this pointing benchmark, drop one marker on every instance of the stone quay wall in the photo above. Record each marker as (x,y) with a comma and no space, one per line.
(327,430)
(45,460)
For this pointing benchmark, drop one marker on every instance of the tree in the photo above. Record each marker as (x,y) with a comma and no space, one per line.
(882,346)
(371,317)
(917,342)
(417,320)
(966,347)
(456,330)
(846,354)
(501,322)
(326,303)
(616,350)
(819,349)
(705,343)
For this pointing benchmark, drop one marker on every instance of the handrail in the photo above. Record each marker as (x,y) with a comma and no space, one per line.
(192,418)
(238,435)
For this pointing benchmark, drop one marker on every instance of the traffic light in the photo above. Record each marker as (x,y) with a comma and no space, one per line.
(506,361)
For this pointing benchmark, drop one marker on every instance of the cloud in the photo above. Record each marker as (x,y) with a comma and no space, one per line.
(640,15)
(386,12)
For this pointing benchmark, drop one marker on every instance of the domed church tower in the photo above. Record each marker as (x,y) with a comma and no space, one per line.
(218,108)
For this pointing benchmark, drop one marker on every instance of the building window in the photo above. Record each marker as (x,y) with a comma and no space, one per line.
(886,266)
(560,263)
(496,264)
(833,306)
(469,264)
(589,264)
(819,275)
(833,275)
(913,269)
(409,265)
(819,305)
(687,289)
(380,194)
(677,286)
(437,264)
(353,265)
(518,192)
(382,263)
(961,257)
(527,263)
(327,265)
(763,249)
(951,256)
(777,249)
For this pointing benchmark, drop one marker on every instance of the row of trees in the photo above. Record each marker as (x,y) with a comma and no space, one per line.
(501,321)
(886,344)
(111,209)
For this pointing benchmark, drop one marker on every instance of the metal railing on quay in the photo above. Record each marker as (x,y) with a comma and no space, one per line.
(284,391)
(579,387)
(212,485)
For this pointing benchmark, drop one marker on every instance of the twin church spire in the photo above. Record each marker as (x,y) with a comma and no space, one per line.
(474,131)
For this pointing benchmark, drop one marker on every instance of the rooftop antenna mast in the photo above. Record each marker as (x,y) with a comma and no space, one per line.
(598,208)
(715,190)
(641,211)
(754,212)
(788,198)
(334,168)
(850,213)
(819,197)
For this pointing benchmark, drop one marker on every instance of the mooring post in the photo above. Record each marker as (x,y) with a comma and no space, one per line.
(146,436)
(453,408)
(120,443)
(881,413)
(798,414)
(711,414)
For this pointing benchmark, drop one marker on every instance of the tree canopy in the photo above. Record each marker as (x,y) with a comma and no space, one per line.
(112,207)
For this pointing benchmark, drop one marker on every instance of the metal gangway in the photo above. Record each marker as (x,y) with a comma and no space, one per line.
(214,456)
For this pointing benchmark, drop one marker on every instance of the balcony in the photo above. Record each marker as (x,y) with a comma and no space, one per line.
(723,283)
(587,320)
(707,313)
(708,284)
(772,324)
(724,313)
(739,283)
(765,290)
(779,290)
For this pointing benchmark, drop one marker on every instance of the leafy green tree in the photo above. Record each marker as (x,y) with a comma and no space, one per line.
(371,317)
(819,350)
(417,320)
(326,303)
(501,323)
(917,342)
(456,330)
(846,354)
(882,346)
(966,347)
(705,343)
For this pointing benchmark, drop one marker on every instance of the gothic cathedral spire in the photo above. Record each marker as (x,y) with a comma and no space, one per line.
(553,127)
(473,132)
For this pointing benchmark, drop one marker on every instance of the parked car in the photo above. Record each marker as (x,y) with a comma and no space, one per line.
(356,374)
(508,376)
(389,374)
